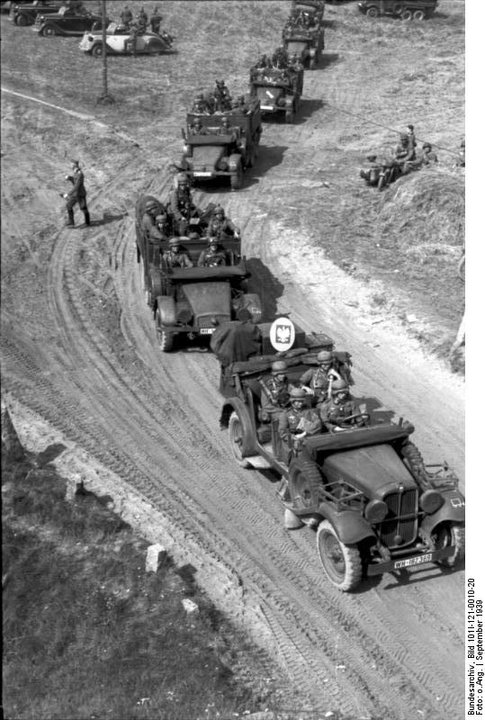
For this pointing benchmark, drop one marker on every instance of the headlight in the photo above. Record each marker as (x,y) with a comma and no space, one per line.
(222,164)
(184,316)
(375,511)
(431,501)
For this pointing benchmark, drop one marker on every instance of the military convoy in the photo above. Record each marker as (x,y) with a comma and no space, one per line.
(374,504)
(222,144)
(304,35)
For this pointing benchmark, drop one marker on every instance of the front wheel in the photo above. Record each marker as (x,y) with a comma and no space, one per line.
(97,50)
(449,535)
(407,15)
(342,563)
(49,31)
(419,15)
(372,12)
(236,438)
(236,180)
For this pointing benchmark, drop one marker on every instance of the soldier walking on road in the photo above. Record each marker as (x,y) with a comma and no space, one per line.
(77,196)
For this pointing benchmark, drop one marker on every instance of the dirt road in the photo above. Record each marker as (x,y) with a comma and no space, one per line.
(79,347)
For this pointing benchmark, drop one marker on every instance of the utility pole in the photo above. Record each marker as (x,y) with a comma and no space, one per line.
(105,97)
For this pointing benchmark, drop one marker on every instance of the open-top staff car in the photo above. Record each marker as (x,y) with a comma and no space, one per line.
(66,21)
(193,301)
(375,506)
(120,42)
(404,9)
(23,14)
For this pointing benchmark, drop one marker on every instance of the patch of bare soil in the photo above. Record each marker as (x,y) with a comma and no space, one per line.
(79,347)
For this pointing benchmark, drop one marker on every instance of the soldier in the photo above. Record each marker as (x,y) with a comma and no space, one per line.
(405,154)
(240,104)
(280,58)
(126,17)
(214,255)
(197,128)
(180,198)
(148,221)
(275,391)
(221,226)
(224,128)
(163,224)
(318,381)
(155,21)
(222,96)
(77,196)
(428,155)
(411,135)
(297,422)
(295,63)
(340,407)
(371,175)
(175,257)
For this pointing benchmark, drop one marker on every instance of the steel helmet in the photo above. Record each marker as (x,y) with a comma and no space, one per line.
(426,145)
(297,394)
(161,217)
(174,241)
(183,180)
(151,205)
(338,385)
(404,137)
(279,366)
(324,356)
(371,157)
(219,212)
(212,241)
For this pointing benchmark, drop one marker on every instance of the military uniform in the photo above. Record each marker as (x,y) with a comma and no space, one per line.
(177,259)
(294,421)
(219,228)
(318,380)
(155,21)
(149,227)
(275,397)
(429,156)
(126,17)
(77,196)
(332,412)
(212,258)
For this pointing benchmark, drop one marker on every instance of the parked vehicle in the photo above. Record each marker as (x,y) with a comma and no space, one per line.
(193,301)
(24,13)
(226,145)
(374,504)
(404,9)
(277,91)
(66,21)
(120,42)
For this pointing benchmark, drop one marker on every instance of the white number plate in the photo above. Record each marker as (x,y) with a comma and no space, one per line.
(419,560)
(266,107)
(206,331)
(202,174)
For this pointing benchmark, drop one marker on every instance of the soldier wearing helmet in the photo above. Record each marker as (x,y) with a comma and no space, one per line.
(224,128)
(339,407)
(214,255)
(197,128)
(317,381)
(298,421)
(164,224)
(180,202)
(275,394)
(405,153)
(148,221)
(428,155)
(175,256)
(220,226)
(280,58)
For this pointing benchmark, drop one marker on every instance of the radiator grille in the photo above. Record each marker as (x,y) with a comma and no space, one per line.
(401,520)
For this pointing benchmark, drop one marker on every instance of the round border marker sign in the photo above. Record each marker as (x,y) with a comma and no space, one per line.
(282,334)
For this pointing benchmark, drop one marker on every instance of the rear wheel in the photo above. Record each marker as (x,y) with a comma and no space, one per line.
(49,31)
(419,15)
(372,11)
(449,535)
(236,180)
(342,563)
(236,438)
(22,21)
(97,50)
(407,15)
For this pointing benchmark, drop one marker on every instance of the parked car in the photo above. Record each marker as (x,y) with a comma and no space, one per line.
(120,42)
(68,22)
(366,491)
(24,13)
(404,9)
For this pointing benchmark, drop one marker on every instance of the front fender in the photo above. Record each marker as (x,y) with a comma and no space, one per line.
(452,510)
(168,310)
(350,526)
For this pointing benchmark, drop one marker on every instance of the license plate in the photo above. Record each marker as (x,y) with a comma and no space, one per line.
(202,174)
(206,331)
(409,562)
(266,107)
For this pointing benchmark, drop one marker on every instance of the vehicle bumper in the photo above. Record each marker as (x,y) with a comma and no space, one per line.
(404,563)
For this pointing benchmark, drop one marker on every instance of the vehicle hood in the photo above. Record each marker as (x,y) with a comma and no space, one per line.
(206,157)
(375,470)
(269,95)
(296,46)
(209,298)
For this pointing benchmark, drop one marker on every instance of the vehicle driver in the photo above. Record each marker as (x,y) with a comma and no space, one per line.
(340,407)
(214,255)
(275,391)
(221,226)
(175,257)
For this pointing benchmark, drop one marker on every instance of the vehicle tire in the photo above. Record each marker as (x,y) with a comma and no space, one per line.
(237,179)
(49,31)
(381,183)
(149,297)
(289,116)
(452,535)
(97,50)
(372,11)
(419,15)
(407,15)
(312,63)
(21,21)
(342,563)
(165,338)
(236,439)
(304,484)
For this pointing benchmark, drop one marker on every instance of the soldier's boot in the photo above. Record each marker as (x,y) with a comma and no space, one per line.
(70,217)
(87,217)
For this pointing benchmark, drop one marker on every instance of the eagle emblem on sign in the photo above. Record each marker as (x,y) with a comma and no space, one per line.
(282,334)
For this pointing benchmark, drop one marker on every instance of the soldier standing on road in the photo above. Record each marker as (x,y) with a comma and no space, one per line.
(175,257)
(155,21)
(77,196)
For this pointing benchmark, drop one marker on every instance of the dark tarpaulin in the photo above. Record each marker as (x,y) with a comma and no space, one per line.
(236,342)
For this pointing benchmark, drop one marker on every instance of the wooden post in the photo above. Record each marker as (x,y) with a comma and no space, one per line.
(105,97)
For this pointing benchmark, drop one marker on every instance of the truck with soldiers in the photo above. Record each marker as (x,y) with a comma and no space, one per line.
(193,283)
(277,84)
(304,36)
(221,137)
(350,474)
